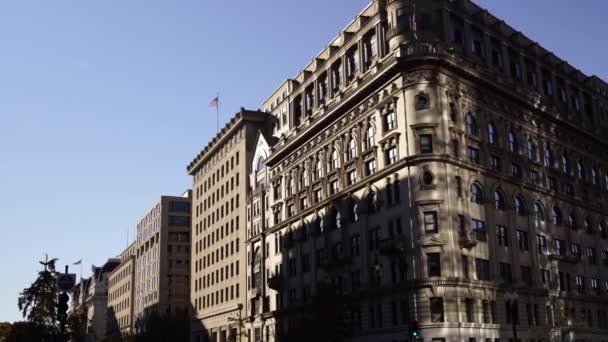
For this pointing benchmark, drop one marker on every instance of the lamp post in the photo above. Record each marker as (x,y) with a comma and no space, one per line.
(511,299)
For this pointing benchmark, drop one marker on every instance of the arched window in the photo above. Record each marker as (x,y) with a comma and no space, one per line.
(572,220)
(565,164)
(531,150)
(499,201)
(492,135)
(538,213)
(556,216)
(260,165)
(351,152)
(370,137)
(520,209)
(338,217)
(471,125)
(318,169)
(334,160)
(580,169)
(355,212)
(476,193)
(548,157)
(372,202)
(512,142)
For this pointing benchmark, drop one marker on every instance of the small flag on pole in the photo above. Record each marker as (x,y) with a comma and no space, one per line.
(215,102)
(78,262)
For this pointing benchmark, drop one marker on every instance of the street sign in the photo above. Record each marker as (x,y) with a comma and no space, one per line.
(66,282)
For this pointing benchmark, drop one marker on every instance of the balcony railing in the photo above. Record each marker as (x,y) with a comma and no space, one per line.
(467,239)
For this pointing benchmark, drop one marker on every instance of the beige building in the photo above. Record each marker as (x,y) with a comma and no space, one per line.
(91,300)
(220,182)
(432,165)
(121,290)
(162,259)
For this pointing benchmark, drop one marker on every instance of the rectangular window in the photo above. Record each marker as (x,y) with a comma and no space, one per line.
(541,244)
(479,227)
(505,272)
(473,155)
(526,275)
(482,268)
(495,163)
(433,264)
(516,170)
(426,143)
(436,304)
(465,266)
(391,155)
(502,235)
(430,222)
(469,308)
(352,177)
(370,167)
(560,247)
(390,121)
(522,240)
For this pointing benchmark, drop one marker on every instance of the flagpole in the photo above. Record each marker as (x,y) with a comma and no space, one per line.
(217,112)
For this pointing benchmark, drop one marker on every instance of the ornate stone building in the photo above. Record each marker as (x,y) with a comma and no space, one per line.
(432,165)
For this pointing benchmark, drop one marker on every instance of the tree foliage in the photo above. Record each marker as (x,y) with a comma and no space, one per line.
(38,303)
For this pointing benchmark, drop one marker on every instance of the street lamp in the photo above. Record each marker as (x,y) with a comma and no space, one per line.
(511,300)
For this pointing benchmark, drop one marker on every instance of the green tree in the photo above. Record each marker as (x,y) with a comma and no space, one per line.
(5,330)
(25,332)
(77,325)
(38,303)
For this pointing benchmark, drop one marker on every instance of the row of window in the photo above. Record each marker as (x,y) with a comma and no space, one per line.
(549,160)
(551,85)
(217,297)
(212,278)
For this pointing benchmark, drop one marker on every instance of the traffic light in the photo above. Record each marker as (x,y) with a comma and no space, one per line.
(414,330)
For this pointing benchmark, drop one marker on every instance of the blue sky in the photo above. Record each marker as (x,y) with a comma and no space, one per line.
(104,103)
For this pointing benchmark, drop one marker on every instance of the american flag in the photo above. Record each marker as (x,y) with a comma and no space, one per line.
(215,102)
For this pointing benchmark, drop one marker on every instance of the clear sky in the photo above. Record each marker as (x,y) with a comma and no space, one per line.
(104,103)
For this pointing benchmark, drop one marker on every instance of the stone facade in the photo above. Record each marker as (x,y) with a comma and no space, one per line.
(121,290)
(220,183)
(450,174)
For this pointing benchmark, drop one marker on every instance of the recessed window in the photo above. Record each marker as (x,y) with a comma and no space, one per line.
(476,193)
(426,143)
(391,155)
(430,222)
(471,125)
(370,167)
(473,155)
(436,304)
(512,145)
(433,261)
(390,121)
(492,135)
